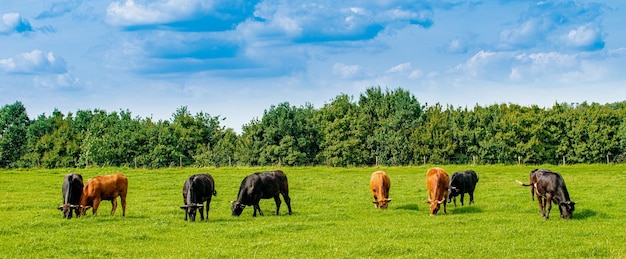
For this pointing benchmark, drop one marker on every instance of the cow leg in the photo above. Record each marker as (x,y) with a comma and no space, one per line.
(113,206)
(202,214)
(454,199)
(548,202)
(444,207)
(96,204)
(471,194)
(208,204)
(540,206)
(123,200)
(462,198)
(257,207)
(288,201)
(277,200)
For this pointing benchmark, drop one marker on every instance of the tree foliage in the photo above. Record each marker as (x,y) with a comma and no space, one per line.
(384,127)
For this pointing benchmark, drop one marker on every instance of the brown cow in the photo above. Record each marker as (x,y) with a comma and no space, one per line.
(379,185)
(106,187)
(437,183)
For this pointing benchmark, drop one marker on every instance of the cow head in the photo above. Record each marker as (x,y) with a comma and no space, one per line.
(566,208)
(453,192)
(191,210)
(435,205)
(67,210)
(82,210)
(382,204)
(237,208)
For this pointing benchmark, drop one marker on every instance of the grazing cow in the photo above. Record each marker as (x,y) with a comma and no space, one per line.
(72,190)
(259,186)
(106,187)
(437,183)
(461,183)
(196,190)
(550,188)
(379,185)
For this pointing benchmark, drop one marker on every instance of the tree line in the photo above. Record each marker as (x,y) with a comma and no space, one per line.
(389,127)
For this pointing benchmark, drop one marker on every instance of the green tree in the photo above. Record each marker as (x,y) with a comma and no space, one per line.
(14,124)
(343,133)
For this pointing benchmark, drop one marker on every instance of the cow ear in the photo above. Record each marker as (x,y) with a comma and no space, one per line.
(183,207)
(60,208)
(375,202)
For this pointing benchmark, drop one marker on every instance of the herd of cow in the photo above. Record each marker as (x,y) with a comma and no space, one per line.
(199,188)
(547,185)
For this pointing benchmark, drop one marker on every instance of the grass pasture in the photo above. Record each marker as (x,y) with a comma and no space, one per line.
(333,217)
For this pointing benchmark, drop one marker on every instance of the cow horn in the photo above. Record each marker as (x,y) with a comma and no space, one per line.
(441,201)
(388,200)
(184,207)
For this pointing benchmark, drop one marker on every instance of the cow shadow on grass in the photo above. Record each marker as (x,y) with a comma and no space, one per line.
(410,206)
(585,214)
(465,209)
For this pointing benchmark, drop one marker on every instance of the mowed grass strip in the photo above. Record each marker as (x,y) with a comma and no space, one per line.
(333,217)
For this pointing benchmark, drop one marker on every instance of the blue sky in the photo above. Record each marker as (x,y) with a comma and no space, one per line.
(237,58)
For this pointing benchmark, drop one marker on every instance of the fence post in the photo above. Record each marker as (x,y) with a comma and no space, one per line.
(424,159)
(563,160)
(376,161)
(180,160)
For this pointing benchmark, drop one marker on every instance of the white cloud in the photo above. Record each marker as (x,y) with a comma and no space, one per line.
(132,13)
(66,80)
(587,37)
(346,71)
(399,68)
(34,62)
(13,22)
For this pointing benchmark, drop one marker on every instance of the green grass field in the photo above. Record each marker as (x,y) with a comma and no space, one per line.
(333,217)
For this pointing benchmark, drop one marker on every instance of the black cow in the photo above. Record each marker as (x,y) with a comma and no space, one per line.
(72,190)
(550,188)
(198,189)
(259,186)
(461,183)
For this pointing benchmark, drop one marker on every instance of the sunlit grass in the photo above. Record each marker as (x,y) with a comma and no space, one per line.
(333,217)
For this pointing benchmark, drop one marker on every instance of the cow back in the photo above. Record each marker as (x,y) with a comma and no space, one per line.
(464,181)
(198,188)
(380,184)
(72,188)
(106,187)
(437,183)
(262,185)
